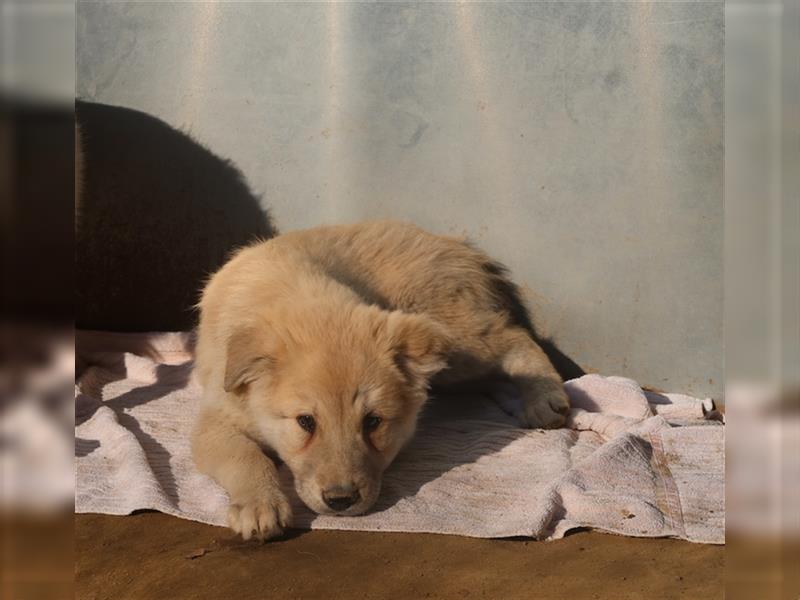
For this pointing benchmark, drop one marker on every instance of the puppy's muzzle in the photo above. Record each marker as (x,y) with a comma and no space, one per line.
(341,498)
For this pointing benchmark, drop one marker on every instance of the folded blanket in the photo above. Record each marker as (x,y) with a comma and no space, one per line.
(629,462)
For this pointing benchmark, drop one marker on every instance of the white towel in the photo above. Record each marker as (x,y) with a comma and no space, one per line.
(629,462)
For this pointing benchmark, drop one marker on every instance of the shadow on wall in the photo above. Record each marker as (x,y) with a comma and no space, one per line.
(158,214)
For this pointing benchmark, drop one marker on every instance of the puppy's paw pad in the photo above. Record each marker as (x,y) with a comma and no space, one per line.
(264,518)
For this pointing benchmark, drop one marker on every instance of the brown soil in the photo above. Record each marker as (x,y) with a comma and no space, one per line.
(150,555)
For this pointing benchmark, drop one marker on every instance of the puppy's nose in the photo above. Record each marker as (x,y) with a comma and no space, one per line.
(341,498)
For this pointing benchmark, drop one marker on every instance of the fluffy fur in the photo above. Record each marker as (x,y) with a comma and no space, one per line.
(348,325)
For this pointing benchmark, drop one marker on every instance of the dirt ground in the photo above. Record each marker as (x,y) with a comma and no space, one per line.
(150,555)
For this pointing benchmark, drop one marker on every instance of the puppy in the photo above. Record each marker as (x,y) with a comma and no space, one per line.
(319,346)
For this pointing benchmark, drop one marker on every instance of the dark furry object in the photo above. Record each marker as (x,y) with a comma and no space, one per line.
(158,214)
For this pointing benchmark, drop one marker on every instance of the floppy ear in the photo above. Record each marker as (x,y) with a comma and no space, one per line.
(420,345)
(250,354)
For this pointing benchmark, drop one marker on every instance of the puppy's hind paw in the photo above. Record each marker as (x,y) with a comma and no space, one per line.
(546,411)
(265,518)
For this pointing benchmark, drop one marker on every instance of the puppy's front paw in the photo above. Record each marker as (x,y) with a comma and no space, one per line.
(264,516)
(547,410)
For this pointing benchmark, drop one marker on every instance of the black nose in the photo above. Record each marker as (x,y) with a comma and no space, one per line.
(341,498)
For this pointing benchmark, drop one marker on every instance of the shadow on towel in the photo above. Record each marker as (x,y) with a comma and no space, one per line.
(168,378)
(459,409)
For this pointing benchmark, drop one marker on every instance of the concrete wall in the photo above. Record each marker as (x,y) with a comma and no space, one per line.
(580,143)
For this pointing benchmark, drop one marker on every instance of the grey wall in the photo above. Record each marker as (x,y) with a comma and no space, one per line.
(580,143)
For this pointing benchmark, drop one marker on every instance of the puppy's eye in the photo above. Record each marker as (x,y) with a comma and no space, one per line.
(307,422)
(371,423)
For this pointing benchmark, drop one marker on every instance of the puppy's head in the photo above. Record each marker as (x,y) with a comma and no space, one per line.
(336,395)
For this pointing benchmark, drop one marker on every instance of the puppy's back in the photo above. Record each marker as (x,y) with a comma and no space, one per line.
(396,264)
(391,264)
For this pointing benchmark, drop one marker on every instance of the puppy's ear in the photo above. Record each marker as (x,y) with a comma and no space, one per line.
(419,344)
(251,353)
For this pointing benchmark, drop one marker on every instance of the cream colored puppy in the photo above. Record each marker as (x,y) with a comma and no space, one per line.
(318,347)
